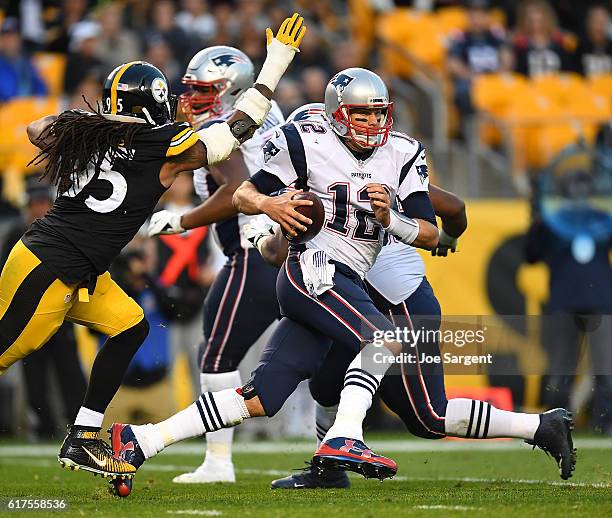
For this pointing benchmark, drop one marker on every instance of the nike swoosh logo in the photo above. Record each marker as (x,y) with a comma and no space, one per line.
(296,485)
(101,463)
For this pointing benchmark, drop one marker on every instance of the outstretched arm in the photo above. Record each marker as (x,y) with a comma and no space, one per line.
(228,175)
(220,140)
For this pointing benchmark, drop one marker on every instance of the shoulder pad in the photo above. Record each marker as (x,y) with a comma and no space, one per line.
(403,143)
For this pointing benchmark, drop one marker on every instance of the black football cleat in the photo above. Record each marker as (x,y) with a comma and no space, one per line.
(314,478)
(83,449)
(554,436)
(352,455)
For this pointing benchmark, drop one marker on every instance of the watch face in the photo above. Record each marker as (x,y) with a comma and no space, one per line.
(238,127)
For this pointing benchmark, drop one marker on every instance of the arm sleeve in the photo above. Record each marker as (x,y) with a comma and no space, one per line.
(277,157)
(418,205)
(266,183)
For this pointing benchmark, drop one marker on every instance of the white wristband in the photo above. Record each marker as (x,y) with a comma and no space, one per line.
(404,229)
(277,60)
(219,142)
(255,105)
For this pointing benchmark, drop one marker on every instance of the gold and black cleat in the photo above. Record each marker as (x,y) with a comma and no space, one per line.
(83,449)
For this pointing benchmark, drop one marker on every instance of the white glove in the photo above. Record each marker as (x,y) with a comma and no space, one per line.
(165,222)
(445,244)
(256,230)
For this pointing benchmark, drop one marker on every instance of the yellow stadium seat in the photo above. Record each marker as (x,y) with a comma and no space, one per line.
(560,87)
(51,67)
(414,31)
(493,94)
(361,25)
(497,17)
(15,148)
(601,84)
(525,115)
(451,19)
(588,112)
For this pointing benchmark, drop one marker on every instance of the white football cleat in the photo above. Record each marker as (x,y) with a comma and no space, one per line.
(210,471)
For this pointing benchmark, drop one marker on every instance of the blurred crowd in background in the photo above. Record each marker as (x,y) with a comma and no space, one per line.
(474,79)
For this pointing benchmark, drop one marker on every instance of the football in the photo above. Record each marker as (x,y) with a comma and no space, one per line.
(315,212)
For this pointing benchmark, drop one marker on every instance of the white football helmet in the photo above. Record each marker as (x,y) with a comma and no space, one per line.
(358,88)
(217,77)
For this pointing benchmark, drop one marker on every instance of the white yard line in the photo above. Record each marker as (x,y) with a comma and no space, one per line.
(266,447)
(279,473)
(448,507)
(197,512)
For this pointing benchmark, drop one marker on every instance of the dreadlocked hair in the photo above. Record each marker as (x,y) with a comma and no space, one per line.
(77,139)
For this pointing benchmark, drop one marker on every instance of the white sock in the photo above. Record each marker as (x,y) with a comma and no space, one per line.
(210,412)
(361,382)
(324,419)
(219,443)
(87,417)
(481,420)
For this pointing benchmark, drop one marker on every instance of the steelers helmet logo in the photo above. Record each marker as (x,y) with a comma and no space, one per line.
(159,90)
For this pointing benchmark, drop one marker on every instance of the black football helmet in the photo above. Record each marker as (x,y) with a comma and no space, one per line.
(138,90)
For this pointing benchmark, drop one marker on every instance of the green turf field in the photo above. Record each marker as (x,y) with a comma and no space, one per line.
(450,478)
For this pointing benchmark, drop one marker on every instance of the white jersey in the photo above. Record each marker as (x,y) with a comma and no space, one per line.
(398,271)
(228,233)
(308,154)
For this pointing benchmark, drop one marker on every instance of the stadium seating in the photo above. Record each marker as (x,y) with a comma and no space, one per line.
(412,31)
(493,94)
(15,148)
(51,67)
(601,85)
(544,114)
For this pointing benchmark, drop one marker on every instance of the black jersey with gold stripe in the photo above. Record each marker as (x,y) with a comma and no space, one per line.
(92,221)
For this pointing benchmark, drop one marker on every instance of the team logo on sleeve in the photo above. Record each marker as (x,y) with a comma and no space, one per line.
(269,150)
(159,90)
(225,60)
(340,82)
(422,171)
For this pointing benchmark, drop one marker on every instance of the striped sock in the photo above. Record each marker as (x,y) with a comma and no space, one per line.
(324,418)
(219,443)
(211,411)
(360,385)
(475,419)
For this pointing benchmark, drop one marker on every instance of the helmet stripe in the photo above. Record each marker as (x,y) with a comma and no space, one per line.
(115,83)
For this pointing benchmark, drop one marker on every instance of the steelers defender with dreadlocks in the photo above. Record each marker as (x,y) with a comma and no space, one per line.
(111,167)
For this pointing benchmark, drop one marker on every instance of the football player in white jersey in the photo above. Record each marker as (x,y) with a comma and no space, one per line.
(241,304)
(320,289)
(399,288)
(356,166)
